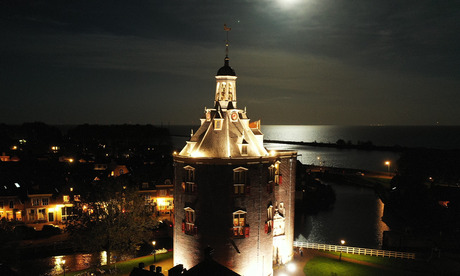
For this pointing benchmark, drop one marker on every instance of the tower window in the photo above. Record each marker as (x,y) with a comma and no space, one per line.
(189,185)
(222,92)
(240,229)
(274,173)
(188,226)
(269,223)
(230,92)
(240,186)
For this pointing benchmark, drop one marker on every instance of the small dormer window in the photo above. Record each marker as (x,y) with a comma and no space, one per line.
(244,149)
(218,124)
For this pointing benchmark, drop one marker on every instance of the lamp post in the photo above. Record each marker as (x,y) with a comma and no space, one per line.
(154,250)
(388,163)
(341,249)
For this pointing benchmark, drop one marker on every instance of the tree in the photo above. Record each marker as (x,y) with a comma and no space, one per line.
(112,217)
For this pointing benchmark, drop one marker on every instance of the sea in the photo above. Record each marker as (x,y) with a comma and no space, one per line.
(436,137)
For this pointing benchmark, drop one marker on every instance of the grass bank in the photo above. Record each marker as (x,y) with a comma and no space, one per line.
(369,265)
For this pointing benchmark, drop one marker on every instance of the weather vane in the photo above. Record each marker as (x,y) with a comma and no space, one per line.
(227,29)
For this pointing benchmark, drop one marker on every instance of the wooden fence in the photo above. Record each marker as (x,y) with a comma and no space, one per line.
(355,250)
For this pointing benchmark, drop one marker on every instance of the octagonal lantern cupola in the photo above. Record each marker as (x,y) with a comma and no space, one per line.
(226,85)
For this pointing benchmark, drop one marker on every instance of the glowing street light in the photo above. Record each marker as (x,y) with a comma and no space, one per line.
(342,242)
(154,250)
(388,163)
(291,267)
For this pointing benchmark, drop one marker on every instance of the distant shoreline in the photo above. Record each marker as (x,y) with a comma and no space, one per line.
(364,146)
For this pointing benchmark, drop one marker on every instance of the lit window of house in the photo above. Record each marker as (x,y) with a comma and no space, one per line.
(66,198)
(45,201)
(189,185)
(240,181)
(240,229)
(31,215)
(162,192)
(188,225)
(41,214)
(35,201)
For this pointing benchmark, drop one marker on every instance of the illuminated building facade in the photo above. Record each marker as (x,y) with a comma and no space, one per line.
(230,193)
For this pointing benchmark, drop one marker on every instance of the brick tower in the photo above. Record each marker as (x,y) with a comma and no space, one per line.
(230,193)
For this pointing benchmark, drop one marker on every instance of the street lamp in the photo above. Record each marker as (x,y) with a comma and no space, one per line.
(341,249)
(154,251)
(388,163)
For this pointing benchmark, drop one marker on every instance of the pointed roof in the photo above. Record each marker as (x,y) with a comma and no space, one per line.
(225,138)
(210,267)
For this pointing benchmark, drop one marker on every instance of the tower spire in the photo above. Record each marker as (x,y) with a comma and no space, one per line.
(227,29)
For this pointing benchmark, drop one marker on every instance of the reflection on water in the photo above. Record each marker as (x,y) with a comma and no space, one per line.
(355,218)
(55,265)
(340,158)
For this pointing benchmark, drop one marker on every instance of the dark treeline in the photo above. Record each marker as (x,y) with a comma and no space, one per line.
(37,138)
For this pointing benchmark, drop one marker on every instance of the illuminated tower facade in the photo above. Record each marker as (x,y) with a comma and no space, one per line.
(231,194)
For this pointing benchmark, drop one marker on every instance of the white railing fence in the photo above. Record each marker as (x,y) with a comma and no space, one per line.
(355,250)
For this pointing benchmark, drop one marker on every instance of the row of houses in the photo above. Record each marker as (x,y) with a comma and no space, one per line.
(52,199)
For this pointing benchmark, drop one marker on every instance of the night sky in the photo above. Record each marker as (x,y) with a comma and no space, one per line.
(298,61)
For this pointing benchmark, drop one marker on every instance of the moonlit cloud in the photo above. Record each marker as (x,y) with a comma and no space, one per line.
(298,61)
